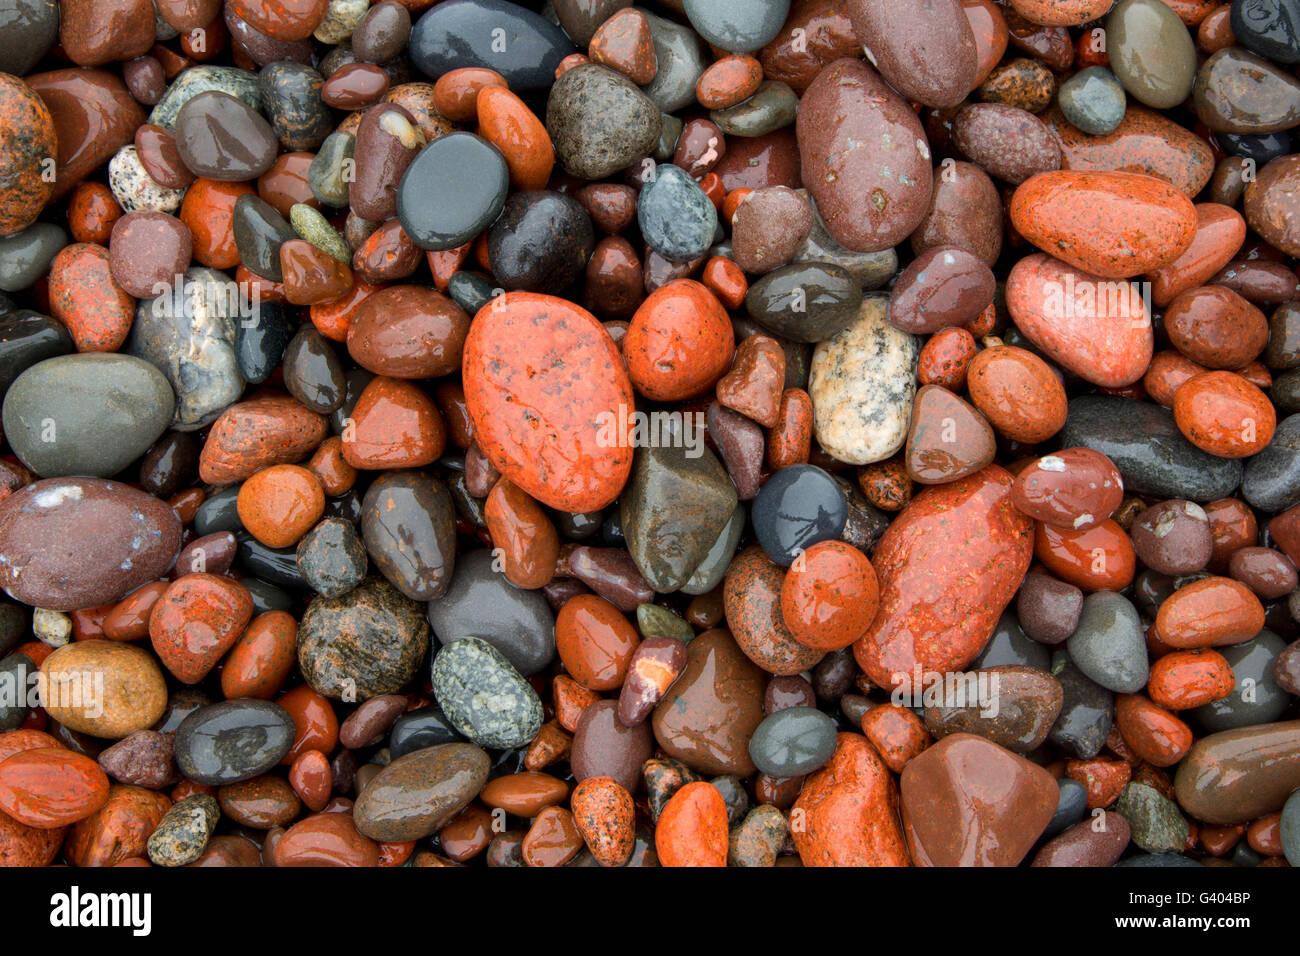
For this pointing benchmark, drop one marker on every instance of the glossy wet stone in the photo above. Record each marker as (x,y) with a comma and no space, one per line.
(795,509)
(454,188)
(805,301)
(446,39)
(416,794)
(208,126)
(1256,697)
(677,220)
(792,742)
(1151,52)
(1092,100)
(1107,644)
(541,243)
(291,97)
(183,833)
(600,122)
(1087,711)
(102,412)
(332,558)
(232,741)
(367,642)
(26,338)
(409,530)
(1239,92)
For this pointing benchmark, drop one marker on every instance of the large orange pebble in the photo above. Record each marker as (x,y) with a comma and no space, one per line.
(262,657)
(1225,415)
(829,596)
(54,787)
(16,741)
(1017,392)
(1100,558)
(1186,679)
(1111,224)
(86,298)
(847,812)
(948,566)
(393,425)
(1211,612)
(529,543)
(1098,328)
(196,622)
(456,93)
(208,210)
(692,828)
(1157,736)
(1215,327)
(896,732)
(119,830)
(680,342)
(1074,488)
(21,845)
(280,504)
(271,430)
(606,818)
(550,400)
(1168,371)
(595,642)
(505,121)
(1220,231)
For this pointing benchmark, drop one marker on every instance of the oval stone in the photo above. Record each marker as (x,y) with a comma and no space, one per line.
(232,741)
(416,794)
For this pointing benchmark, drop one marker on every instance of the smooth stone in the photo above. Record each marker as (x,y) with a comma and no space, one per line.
(773,107)
(1289,827)
(25,256)
(737,26)
(232,741)
(291,97)
(600,122)
(218,513)
(1151,52)
(1092,100)
(415,795)
(259,232)
(862,383)
(260,342)
(279,566)
(1270,28)
(709,573)
(1071,807)
(1087,712)
(1154,820)
(183,833)
(1108,645)
(483,696)
(87,414)
(522,46)
(709,714)
(189,335)
(221,137)
(311,225)
(792,742)
(1148,449)
(541,242)
(1010,646)
(408,524)
(332,558)
(1256,697)
(418,729)
(26,338)
(675,505)
(453,189)
(796,508)
(367,642)
(480,602)
(1239,92)
(30,28)
(1272,478)
(676,218)
(1017,711)
(68,544)
(1239,775)
(871,269)
(805,301)
(681,61)
(313,372)
(326,175)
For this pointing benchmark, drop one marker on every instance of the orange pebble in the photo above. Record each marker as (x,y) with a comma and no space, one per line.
(829,596)
(896,732)
(278,505)
(692,828)
(1186,679)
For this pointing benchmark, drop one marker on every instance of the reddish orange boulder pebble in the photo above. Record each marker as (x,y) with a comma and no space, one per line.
(1017,392)
(256,434)
(1111,224)
(196,622)
(692,828)
(285,20)
(829,596)
(550,399)
(595,642)
(789,442)
(679,342)
(1074,488)
(606,817)
(945,358)
(506,122)
(119,830)
(948,565)
(896,732)
(886,484)
(86,298)
(456,93)
(262,657)
(847,812)
(1103,779)
(1156,735)
(208,211)
(725,279)
(1215,327)
(278,505)
(528,542)
(129,618)
(752,598)
(1100,558)
(624,43)
(524,794)
(1186,679)
(1220,231)
(51,787)
(311,779)
(92,213)
(27,154)
(467,835)
(552,840)
(393,425)
(312,275)
(571,701)
(317,727)
(729,81)
(756,381)
(1211,612)
(1225,415)
(325,839)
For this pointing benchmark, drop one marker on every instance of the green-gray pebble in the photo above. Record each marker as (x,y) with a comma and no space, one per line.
(1157,824)
(310,225)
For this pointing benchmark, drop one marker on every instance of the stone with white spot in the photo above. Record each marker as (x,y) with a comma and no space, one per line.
(483,696)
(133,187)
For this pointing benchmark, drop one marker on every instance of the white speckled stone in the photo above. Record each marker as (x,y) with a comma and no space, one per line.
(862,383)
(133,187)
(341,18)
